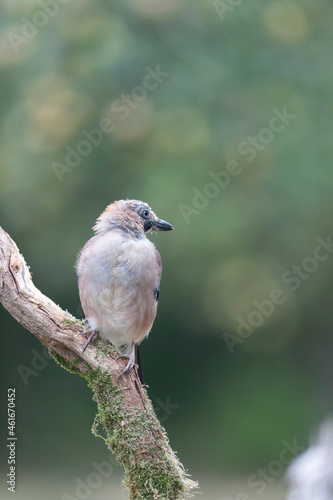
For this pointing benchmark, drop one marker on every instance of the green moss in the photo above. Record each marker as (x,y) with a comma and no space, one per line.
(71,367)
(70,320)
(122,430)
(150,479)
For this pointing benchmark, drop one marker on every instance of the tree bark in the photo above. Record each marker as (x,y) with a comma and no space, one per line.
(131,429)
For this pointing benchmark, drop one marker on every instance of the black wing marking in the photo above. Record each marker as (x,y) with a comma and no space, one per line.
(159,270)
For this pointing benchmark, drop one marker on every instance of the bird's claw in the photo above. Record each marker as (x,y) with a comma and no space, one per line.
(131,361)
(129,365)
(93,336)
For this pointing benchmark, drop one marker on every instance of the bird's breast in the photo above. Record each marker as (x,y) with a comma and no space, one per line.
(117,281)
(133,282)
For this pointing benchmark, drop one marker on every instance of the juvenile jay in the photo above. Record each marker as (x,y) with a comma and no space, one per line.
(119,272)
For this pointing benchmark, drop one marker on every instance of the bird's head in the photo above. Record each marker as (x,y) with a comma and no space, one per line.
(133,217)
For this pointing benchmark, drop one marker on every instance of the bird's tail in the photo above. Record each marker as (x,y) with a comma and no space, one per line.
(139,362)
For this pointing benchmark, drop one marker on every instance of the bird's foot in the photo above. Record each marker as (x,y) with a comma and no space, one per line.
(93,334)
(131,361)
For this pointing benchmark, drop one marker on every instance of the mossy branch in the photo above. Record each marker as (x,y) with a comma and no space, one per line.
(131,429)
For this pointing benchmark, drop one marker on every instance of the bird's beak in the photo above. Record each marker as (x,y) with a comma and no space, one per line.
(162,225)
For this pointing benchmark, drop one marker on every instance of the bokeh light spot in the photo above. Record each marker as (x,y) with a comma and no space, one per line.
(285,21)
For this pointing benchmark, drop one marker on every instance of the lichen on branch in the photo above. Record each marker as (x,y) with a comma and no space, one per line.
(125,417)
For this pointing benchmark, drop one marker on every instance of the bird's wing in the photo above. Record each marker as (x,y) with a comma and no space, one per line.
(158,274)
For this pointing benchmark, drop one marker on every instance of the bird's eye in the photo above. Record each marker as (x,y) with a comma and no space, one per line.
(145,213)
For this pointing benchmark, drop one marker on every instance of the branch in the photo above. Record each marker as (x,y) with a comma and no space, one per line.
(131,429)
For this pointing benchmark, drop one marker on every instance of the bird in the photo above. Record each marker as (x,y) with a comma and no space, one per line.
(310,474)
(119,272)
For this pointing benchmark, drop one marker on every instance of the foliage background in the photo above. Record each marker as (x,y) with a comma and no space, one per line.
(225,78)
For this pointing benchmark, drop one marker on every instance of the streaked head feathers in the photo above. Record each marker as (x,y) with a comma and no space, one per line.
(133,217)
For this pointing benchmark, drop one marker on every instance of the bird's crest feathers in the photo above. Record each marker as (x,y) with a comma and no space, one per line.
(132,217)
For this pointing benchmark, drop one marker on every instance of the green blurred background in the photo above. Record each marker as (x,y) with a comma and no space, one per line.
(66,66)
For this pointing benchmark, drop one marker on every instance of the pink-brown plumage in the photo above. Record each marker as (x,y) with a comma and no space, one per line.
(119,273)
